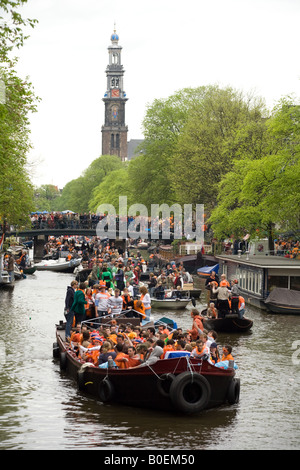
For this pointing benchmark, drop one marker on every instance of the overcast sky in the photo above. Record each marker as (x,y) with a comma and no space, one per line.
(251,45)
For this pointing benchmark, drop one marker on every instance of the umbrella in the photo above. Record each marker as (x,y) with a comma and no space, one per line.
(65,212)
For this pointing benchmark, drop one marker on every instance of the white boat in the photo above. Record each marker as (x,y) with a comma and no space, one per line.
(171,302)
(58,265)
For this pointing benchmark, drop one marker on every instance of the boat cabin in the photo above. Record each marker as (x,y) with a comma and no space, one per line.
(258,275)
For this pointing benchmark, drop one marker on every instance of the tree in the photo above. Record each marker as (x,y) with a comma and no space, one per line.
(259,194)
(16,190)
(18,101)
(77,193)
(11,31)
(222,126)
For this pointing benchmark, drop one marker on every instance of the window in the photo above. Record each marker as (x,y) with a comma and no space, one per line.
(295,282)
(277,281)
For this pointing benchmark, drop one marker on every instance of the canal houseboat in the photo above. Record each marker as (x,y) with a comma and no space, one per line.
(259,275)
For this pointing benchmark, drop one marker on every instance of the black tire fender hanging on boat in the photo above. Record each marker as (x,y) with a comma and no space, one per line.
(164,383)
(106,390)
(63,360)
(55,350)
(233,393)
(81,379)
(190,392)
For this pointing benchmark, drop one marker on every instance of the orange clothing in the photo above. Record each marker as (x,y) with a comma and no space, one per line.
(133,361)
(140,309)
(197,324)
(168,347)
(229,357)
(121,364)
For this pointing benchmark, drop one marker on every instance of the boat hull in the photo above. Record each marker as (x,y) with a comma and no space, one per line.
(167,385)
(283,309)
(58,267)
(229,324)
(171,304)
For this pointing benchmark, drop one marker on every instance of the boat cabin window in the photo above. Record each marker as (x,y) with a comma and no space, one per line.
(250,281)
(278,281)
(295,282)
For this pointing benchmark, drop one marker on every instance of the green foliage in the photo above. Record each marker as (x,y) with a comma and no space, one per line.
(259,193)
(16,190)
(76,195)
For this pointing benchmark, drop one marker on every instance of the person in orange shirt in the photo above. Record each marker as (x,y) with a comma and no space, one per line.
(227,356)
(120,359)
(133,359)
(197,327)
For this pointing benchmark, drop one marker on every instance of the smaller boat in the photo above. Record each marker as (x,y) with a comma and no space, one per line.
(230,324)
(29,270)
(206,271)
(59,265)
(282,300)
(5,280)
(172,302)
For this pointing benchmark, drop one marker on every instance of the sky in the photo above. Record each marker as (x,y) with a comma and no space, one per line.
(167,45)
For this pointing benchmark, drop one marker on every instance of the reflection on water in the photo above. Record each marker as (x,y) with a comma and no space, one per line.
(41,408)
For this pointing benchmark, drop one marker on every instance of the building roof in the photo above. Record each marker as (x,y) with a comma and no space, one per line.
(262,261)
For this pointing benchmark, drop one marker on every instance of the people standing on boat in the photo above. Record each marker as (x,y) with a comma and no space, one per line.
(69,314)
(107,276)
(115,303)
(11,267)
(234,296)
(223,296)
(241,306)
(78,306)
(119,278)
(197,326)
(145,298)
(101,302)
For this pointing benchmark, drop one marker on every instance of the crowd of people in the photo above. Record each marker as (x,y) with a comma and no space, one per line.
(98,335)
(223,297)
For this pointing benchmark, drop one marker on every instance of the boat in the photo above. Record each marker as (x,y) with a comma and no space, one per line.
(172,303)
(282,300)
(59,265)
(182,385)
(192,290)
(29,269)
(5,280)
(230,324)
(206,271)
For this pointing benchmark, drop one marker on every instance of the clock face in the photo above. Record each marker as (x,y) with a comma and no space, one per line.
(115,93)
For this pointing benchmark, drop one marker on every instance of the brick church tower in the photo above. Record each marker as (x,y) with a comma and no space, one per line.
(114,131)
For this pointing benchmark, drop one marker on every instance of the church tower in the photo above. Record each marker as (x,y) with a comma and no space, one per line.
(114,131)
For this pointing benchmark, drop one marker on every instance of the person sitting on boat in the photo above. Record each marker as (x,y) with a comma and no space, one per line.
(176,294)
(197,326)
(120,359)
(214,354)
(133,359)
(223,296)
(153,354)
(169,346)
(201,351)
(227,356)
(212,311)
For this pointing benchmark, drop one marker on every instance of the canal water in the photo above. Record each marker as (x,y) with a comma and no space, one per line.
(41,408)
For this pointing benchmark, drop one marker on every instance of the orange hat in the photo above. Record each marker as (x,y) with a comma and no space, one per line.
(223,283)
